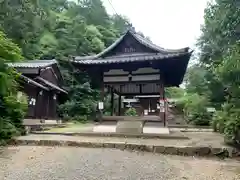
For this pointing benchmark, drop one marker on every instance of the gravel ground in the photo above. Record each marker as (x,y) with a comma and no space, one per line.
(59,163)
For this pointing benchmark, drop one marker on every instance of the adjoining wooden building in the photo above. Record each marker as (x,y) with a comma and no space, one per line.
(134,66)
(42,82)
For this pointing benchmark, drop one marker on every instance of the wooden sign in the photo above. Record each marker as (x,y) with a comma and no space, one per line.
(161,103)
(162,109)
(100,105)
(129,50)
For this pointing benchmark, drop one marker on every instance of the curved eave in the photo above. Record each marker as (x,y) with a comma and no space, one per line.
(155,57)
(34,83)
(33,64)
(51,85)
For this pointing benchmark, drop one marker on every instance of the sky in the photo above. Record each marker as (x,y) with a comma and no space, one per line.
(170,24)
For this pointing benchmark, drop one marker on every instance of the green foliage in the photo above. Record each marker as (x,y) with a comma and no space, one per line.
(130,112)
(227,120)
(12,109)
(194,108)
(82,102)
(232,125)
(22,22)
(79,119)
(196,81)
(7,130)
(174,92)
(220,52)
(16,110)
(46,29)
(8,50)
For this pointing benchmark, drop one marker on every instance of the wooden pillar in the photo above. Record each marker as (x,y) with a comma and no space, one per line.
(101,96)
(119,104)
(112,101)
(164,114)
(162,98)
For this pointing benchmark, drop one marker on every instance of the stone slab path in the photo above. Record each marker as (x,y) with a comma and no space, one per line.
(61,163)
(104,128)
(149,128)
(155,128)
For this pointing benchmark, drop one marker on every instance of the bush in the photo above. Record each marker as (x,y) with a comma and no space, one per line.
(16,111)
(194,109)
(232,125)
(7,129)
(82,102)
(227,121)
(12,113)
(81,119)
(218,121)
(130,112)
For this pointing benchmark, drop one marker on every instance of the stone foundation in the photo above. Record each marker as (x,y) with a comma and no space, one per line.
(173,150)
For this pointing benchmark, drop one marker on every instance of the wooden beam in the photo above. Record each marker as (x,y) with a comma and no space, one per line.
(136,74)
(140,88)
(136,94)
(133,82)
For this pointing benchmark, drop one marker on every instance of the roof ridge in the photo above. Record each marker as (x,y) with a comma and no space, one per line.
(153,45)
(141,40)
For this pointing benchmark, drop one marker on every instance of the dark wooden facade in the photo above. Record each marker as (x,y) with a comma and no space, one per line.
(135,66)
(41,81)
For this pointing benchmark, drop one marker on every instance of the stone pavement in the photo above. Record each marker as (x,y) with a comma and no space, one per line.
(200,144)
(148,128)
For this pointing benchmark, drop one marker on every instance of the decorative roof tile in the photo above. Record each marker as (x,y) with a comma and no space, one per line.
(33,64)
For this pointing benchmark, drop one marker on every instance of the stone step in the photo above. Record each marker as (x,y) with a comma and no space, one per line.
(173,150)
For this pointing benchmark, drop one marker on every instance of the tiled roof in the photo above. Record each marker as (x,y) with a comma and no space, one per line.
(128,58)
(26,79)
(161,53)
(33,64)
(142,41)
(51,85)
(151,45)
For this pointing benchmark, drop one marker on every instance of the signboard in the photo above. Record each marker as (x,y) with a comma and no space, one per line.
(145,112)
(211,109)
(161,103)
(130,100)
(100,105)
(162,109)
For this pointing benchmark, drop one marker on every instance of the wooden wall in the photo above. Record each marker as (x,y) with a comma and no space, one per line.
(45,105)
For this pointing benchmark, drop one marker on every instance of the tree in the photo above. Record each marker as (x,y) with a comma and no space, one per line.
(47,29)
(219,45)
(219,33)
(174,92)
(195,80)
(21,21)
(12,109)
